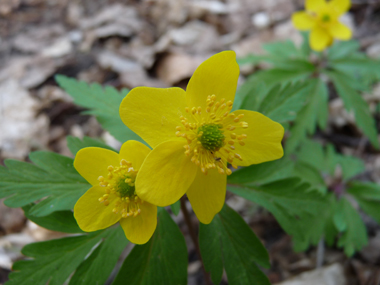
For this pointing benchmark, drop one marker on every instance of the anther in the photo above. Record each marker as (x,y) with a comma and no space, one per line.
(110,168)
(232,147)
(231,142)
(244,124)
(228,171)
(241,143)
(233,136)
(100,178)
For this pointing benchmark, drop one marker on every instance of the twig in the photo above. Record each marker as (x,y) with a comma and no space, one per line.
(320,252)
(193,236)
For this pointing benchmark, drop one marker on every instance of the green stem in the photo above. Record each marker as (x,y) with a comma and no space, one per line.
(193,236)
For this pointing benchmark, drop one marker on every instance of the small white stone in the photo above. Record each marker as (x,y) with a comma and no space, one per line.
(260,20)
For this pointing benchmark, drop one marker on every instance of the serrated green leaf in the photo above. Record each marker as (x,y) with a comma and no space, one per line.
(52,176)
(75,144)
(354,102)
(250,93)
(176,207)
(289,200)
(275,76)
(326,160)
(311,175)
(103,103)
(60,221)
(317,227)
(262,173)
(368,196)
(314,113)
(342,49)
(284,49)
(230,243)
(162,260)
(96,269)
(354,235)
(305,49)
(53,261)
(283,104)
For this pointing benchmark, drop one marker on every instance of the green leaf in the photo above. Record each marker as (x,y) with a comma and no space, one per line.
(354,102)
(284,49)
(354,235)
(290,200)
(98,266)
(325,160)
(368,196)
(60,221)
(250,93)
(310,174)
(318,226)
(262,173)
(230,243)
(283,104)
(54,261)
(75,144)
(314,113)
(103,103)
(176,207)
(52,176)
(305,47)
(162,260)
(341,50)
(284,75)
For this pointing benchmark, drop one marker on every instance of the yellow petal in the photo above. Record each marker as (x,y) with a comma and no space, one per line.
(339,31)
(141,228)
(314,5)
(263,142)
(207,194)
(134,152)
(92,215)
(319,39)
(303,21)
(166,174)
(92,162)
(339,6)
(153,113)
(217,75)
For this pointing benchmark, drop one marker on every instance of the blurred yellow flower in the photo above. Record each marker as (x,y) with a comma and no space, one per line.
(194,135)
(322,18)
(112,197)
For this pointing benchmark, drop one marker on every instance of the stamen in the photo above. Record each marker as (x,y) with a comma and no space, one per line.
(209,136)
(120,183)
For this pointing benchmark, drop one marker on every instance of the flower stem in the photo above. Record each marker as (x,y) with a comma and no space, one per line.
(193,236)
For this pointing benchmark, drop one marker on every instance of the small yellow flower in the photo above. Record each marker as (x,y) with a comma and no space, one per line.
(322,18)
(194,135)
(112,197)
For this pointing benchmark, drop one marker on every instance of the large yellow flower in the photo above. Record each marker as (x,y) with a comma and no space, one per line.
(194,135)
(322,18)
(112,197)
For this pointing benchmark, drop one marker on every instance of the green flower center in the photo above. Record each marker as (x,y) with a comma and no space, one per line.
(326,18)
(125,189)
(211,136)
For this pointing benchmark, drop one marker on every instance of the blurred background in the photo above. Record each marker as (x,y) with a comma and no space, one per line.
(154,43)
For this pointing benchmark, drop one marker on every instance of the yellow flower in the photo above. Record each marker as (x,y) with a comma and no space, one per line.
(194,135)
(112,197)
(322,18)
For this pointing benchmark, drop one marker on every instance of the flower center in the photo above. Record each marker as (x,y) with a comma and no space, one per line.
(212,136)
(120,184)
(325,18)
